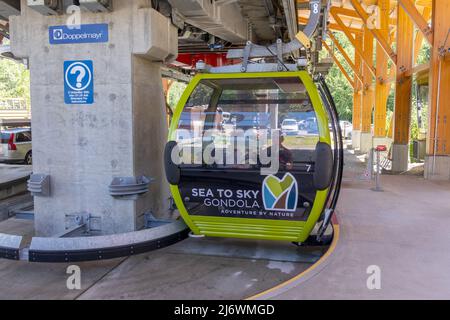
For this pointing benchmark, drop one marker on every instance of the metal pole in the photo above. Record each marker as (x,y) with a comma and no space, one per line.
(378,173)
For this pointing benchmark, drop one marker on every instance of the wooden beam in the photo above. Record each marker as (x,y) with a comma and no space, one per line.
(381,87)
(357,94)
(331,26)
(338,63)
(416,69)
(375,32)
(403,100)
(346,57)
(353,14)
(359,51)
(418,42)
(368,89)
(439,135)
(411,9)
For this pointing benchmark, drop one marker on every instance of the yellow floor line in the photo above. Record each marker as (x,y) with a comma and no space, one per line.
(307,271)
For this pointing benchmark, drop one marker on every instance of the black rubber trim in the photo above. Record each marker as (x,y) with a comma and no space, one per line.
(9,254)
(338,166)
(324,165)
(173,173)
(106,253)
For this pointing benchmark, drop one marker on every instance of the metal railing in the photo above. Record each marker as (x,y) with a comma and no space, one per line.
(14,109)
(12,104)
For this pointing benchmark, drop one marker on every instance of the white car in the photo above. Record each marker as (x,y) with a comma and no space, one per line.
(289,127)
(347,129)
(15,146)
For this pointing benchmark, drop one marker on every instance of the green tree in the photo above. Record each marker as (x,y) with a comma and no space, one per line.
(341,90)
(14,80)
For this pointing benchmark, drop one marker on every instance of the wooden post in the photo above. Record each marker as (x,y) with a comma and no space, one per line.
(402,114)
(405,34)
(381,89)
(357,95)
(368,90)
(439,135)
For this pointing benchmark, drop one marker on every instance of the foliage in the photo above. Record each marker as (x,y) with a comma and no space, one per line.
(343,92)
(175,93)
(340,88)
(14,80)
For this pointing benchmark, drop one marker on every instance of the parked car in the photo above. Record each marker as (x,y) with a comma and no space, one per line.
(289,127)
(311,126)
(347,129)
(15,146)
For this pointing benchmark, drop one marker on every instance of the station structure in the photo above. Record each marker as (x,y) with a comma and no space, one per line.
(98,155)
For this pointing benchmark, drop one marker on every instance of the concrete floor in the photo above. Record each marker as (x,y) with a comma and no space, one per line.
(199,269)
(9,172)
(13,181)
(404,230)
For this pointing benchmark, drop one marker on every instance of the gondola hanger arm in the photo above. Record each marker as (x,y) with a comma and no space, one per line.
(302,39)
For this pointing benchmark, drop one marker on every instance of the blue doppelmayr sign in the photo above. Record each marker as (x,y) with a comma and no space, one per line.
(86,33)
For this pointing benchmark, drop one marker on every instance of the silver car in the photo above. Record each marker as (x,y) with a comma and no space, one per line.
(347,129)
(15,146)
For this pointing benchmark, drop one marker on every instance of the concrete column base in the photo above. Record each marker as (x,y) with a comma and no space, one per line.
(356,139)
(366,142)
(121,134)
(382,141)
(400,157)
(437,168)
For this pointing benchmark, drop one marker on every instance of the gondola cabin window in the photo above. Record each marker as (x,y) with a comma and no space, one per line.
(241,117)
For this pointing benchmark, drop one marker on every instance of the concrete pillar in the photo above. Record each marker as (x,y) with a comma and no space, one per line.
(437,168)
(366,142)
(356,139)
(400,157)
(122,134)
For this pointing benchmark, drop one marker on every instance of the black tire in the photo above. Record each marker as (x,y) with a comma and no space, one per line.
(29,158)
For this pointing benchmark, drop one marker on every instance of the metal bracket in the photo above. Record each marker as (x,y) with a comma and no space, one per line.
(287,48)
(39,185)
(247,51)
(326,222)
(83,223)
(280,54)
(152,222)
(46,7)
(96,5)
(129,187)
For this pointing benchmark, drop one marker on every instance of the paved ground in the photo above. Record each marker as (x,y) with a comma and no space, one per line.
(10,172)
(201,269)
(404,230)
(13,181)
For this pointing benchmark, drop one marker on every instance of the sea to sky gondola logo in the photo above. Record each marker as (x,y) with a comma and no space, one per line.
(280,194)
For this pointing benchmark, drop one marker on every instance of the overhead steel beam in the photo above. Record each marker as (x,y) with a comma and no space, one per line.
(9,8)
(221,19)
(290,12)
(301,40)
